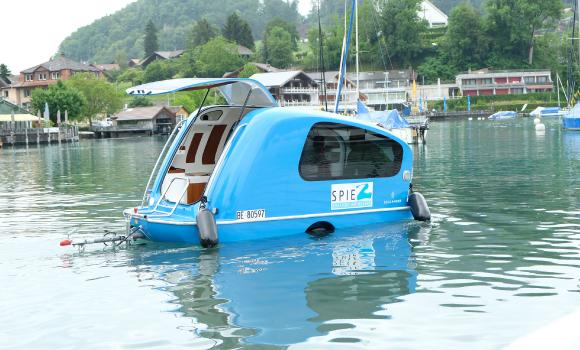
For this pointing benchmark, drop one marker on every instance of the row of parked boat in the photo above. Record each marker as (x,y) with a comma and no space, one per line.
(570,117)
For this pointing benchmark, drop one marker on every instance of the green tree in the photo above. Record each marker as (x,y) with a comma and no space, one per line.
(4,71)
(101,97)
(59,97)
(332,46)
(290,27)
(279,43)
(140,101)
(284,9)
(403,31)
(191,100)
(465,42)
(278,23)
(132,75)
(238,31)
(150,44)
(186,65)
(202,32)
(217,57)
(436,67)
(513,24)
(249,70)
(122,60)
(154,72)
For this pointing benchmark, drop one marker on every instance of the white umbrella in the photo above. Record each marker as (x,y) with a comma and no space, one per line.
(46,113)
(58,117)
(66,116)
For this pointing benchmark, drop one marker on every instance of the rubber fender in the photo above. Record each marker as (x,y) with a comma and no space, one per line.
(207,227)
(419,207)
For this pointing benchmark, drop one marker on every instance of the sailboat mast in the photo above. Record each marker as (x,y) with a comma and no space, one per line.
(558,87)
(321,43)
(344,57)
(356,37)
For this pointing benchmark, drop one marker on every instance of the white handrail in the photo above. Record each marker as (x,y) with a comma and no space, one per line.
(165,193)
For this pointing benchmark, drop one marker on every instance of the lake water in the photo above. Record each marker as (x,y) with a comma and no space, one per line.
(499,262)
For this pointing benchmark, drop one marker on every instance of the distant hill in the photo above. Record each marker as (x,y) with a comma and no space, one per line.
(123,31)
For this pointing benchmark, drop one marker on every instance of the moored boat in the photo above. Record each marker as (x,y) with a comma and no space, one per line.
(571,120)
(412,133)
(252,170)
(503,115)
(547,112)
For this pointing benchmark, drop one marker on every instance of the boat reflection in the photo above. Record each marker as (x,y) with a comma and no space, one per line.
(571,140)
(284,291)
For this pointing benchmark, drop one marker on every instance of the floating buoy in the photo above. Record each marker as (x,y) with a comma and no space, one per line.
(419,207)
(537,121)
(470,118)
(540,127)
(207,227)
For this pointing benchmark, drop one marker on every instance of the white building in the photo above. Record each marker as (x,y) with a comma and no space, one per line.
(434,16)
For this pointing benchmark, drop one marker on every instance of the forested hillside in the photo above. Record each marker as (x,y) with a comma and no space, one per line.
(105,38)
(123,31)
(480,33)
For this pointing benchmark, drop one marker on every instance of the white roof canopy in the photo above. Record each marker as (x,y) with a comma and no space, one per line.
(235,90)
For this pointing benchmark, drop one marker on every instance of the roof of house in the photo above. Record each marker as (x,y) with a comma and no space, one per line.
(275,79)
(107,66)
(175,109)
(244,51)
(7,107)
(20,117)
(265,67)
(141,113)
(61,62)
(5,82)
(165,55)
(135,61)
(169,54)
(328,75)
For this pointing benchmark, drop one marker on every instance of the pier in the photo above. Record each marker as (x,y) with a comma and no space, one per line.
(27,136)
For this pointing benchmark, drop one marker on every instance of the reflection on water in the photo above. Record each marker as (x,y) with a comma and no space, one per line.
(283,291)
(500,259)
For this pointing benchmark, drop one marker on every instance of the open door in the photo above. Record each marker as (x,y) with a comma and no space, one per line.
(197,153)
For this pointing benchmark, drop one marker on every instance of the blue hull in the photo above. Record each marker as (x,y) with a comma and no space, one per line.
(169,230)
(571,123)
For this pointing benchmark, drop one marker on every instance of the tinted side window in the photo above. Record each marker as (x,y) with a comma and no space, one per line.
(335,151)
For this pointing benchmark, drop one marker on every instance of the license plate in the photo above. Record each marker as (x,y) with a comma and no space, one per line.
(251,215)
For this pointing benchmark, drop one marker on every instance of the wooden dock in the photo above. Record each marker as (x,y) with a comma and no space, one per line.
(31,136)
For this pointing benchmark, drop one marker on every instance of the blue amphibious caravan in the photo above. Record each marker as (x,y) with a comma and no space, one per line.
(248,169)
